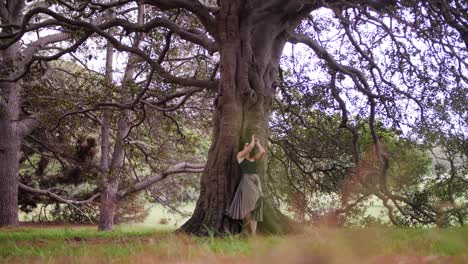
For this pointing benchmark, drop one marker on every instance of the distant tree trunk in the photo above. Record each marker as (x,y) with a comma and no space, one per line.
(108,196)
(111,180)
(251,43)
(107,207)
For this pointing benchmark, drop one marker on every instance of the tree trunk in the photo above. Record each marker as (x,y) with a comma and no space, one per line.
(251,43)
(112,179)
(9,162)
(108,206)
(10,142)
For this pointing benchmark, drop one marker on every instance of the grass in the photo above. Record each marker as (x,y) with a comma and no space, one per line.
(157,213)
(33,233)
(129,244)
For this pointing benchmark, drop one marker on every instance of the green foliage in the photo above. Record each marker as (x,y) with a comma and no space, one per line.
(311,163)
(159,141)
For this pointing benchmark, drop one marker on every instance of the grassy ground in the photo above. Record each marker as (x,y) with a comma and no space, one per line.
(316,245)
(171,220)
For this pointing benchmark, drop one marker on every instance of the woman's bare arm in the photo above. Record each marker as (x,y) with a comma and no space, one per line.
(245,152)
(261,150)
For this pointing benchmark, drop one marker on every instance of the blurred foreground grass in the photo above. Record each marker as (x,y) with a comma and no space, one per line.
(137,244)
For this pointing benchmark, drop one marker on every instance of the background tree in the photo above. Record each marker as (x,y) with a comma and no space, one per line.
(110,174)
(15,124)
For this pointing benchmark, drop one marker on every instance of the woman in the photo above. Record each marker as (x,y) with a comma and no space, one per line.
(247,203)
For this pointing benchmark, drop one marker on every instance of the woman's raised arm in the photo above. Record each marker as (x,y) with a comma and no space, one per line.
(247,148)
(261,150)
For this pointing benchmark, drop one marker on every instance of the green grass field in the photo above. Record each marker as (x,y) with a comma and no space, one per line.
(140,244)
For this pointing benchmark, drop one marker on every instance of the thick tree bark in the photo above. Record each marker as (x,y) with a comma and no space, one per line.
(251,43)
(12,131)
(10,143)
(12,128)
(9,161)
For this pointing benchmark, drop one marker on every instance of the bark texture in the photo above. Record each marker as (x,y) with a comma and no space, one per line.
(107,206)
(13,126)
(9,161)
(10,142)
(112,179)
(252,35)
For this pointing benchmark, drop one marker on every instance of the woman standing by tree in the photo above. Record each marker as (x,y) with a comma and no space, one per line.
(247,203)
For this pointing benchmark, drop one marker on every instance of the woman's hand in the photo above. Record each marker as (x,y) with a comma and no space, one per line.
(261,150)
(247,148)
(256,139)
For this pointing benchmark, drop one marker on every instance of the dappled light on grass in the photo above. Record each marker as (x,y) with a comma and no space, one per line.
(314,245)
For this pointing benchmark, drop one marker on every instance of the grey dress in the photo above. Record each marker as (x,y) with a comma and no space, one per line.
(248,196)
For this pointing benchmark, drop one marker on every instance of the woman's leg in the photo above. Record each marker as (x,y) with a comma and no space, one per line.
(247,222)
(250,223)
(253,226)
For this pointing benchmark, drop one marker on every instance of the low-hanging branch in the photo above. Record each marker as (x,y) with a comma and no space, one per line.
(183,167)
(49,192)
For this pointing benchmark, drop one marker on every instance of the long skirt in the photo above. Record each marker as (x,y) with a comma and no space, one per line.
(248,198)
